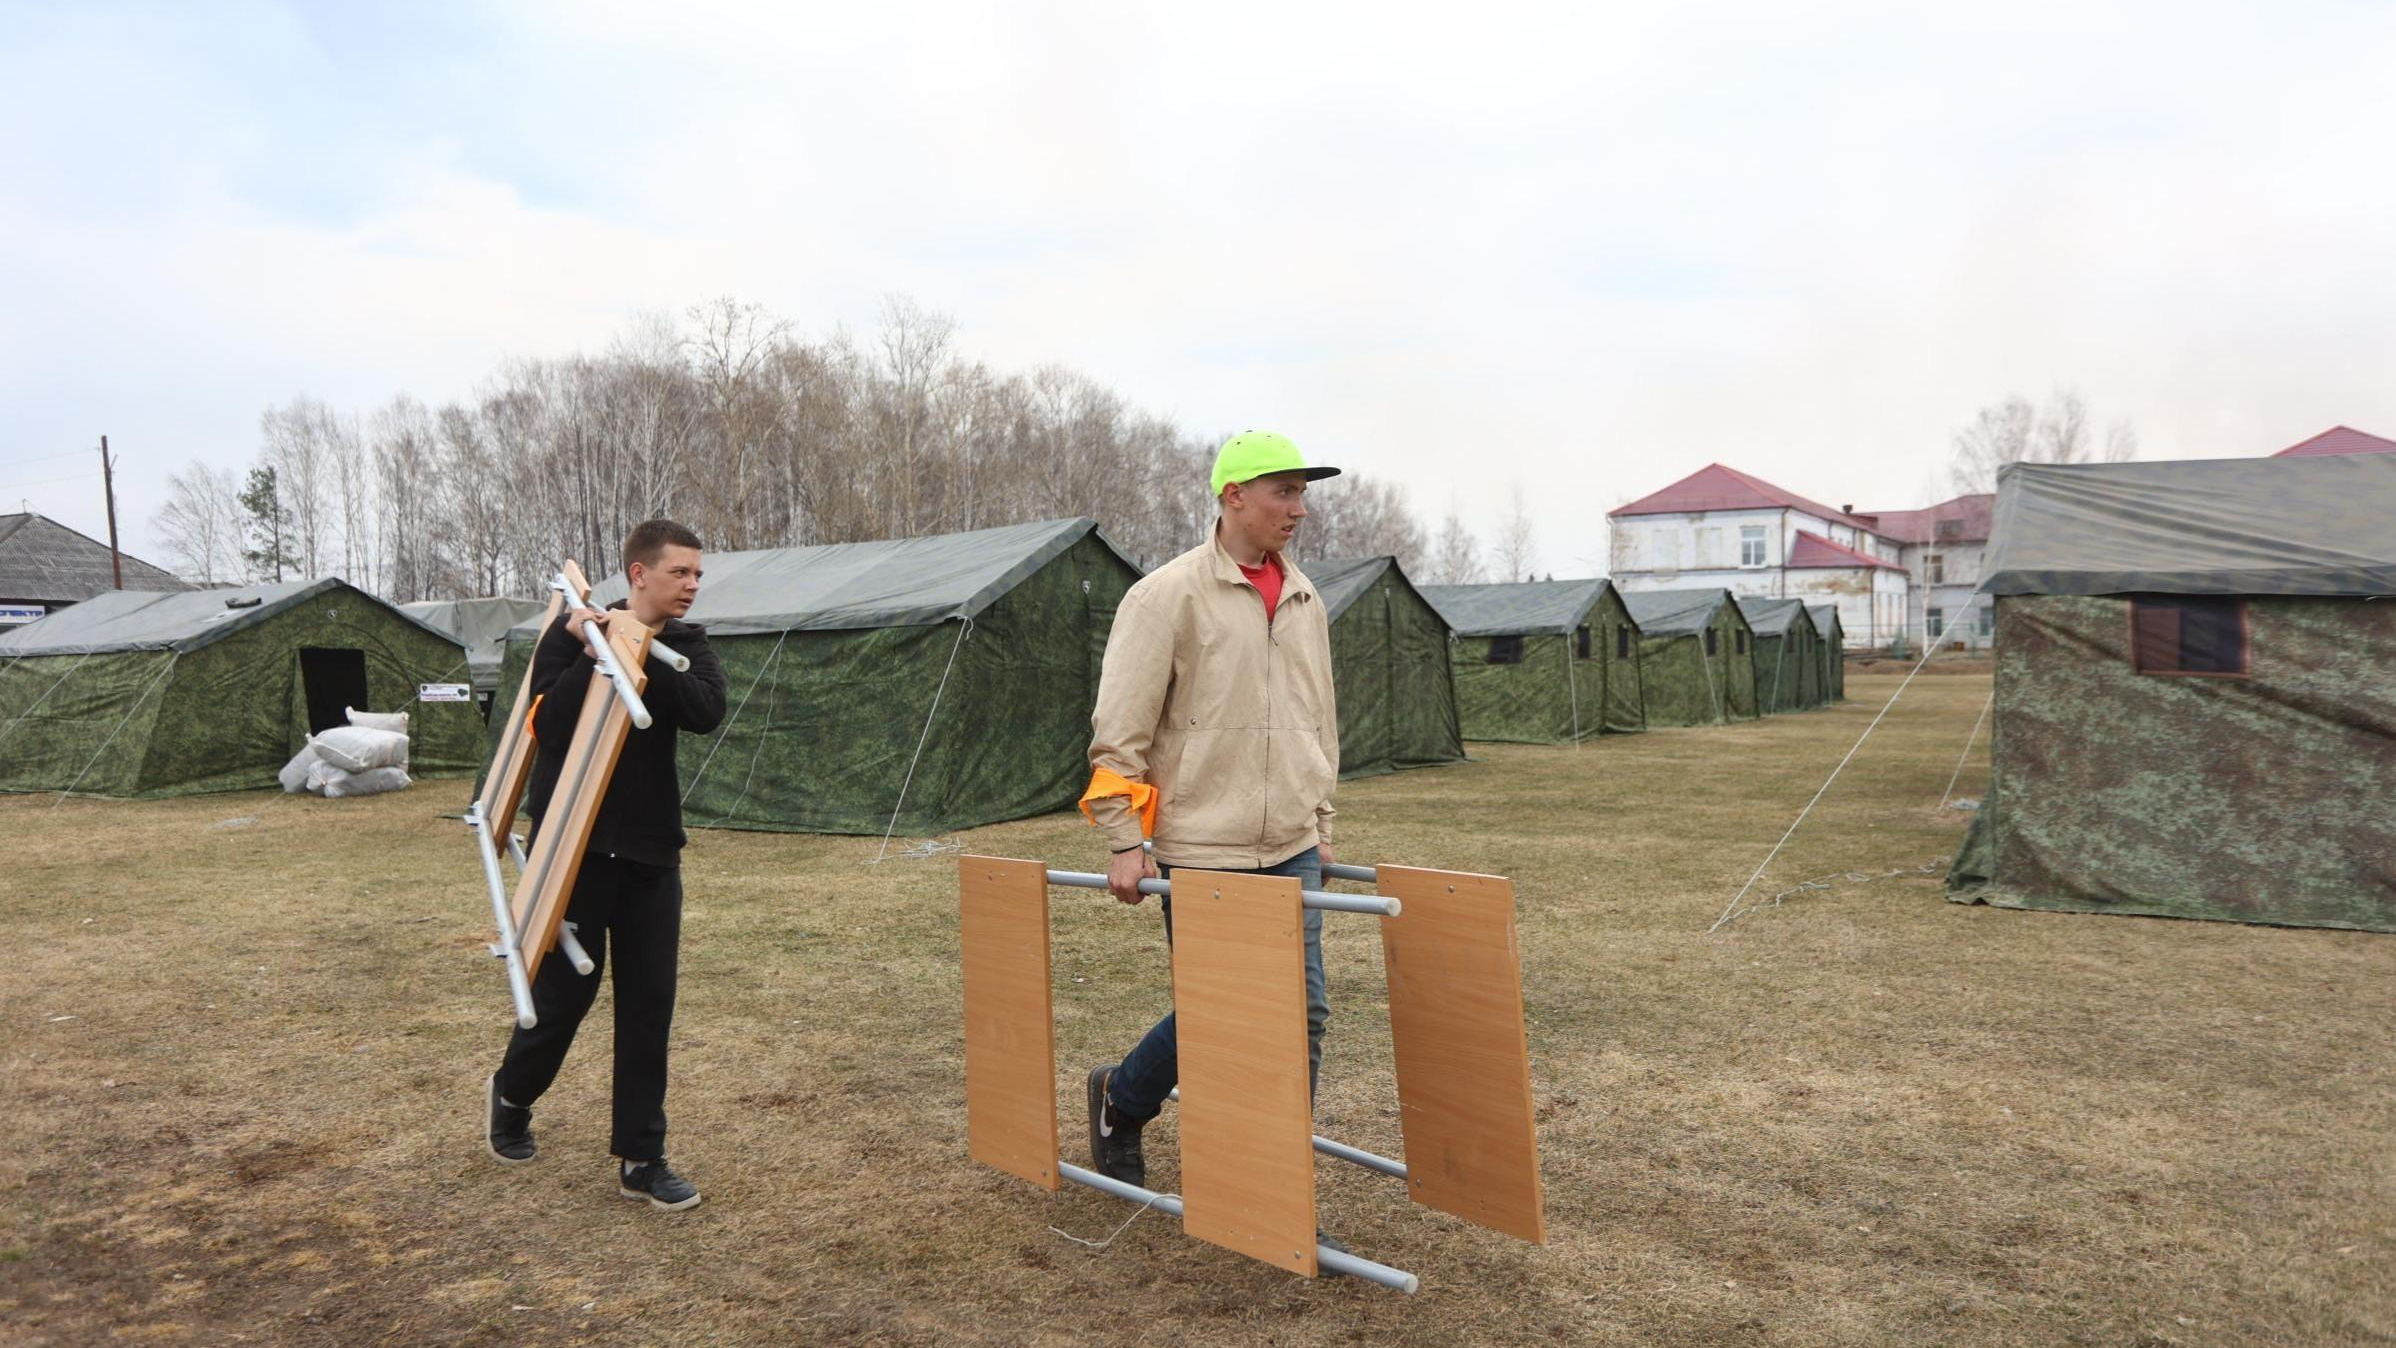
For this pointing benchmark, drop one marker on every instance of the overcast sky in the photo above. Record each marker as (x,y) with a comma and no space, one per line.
(1584,248)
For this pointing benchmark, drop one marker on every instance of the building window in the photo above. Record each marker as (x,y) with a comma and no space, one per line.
(1988,619)
(1505,650)
(1580,643)
(2188,634)
(1751,545)
(1622,643)
(1936,623)
(1947,530)
(1713,644)
(1934,568)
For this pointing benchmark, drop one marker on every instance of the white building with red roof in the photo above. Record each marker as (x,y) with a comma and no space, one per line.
(1941,548)
(1721,527)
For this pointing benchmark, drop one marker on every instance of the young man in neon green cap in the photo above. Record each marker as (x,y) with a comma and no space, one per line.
(1216,725)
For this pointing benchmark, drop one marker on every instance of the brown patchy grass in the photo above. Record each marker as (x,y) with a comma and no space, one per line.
(1861,1116)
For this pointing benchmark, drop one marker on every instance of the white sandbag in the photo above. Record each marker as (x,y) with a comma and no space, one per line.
(378,720)
(294,775)
(322,774)
(372,782)
(357,749)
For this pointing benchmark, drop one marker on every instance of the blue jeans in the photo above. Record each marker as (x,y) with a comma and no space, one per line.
(1153,1069)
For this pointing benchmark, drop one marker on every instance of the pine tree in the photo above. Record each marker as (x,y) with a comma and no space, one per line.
(269,527)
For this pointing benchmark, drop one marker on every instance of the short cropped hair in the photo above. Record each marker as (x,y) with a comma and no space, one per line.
(649,540)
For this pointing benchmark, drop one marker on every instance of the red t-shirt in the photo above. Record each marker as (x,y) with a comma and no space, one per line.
(1267,580)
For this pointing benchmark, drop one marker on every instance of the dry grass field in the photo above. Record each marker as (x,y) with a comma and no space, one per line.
(246,1038)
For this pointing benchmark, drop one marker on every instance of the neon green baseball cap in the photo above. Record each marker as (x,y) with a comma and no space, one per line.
(1254,454)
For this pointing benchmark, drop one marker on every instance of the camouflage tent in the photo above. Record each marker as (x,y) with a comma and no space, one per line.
(1696,657)
(481,625)
(2195,709)
(135,693)
(946,679)
(1542,662)
(1834,650)
(1389,668)
(1788,655)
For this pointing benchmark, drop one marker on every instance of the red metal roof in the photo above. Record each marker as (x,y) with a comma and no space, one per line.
(1715,487)
(1921,526)
(2339,440)
(1814,552)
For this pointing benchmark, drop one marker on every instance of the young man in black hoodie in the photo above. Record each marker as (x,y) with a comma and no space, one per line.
(629,891)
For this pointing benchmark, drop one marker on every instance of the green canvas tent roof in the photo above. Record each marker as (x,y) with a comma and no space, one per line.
(183,621)
(1518,608)
(1826,619)
(1772,617)
(1667,613)
(1343,580)
(2300,526)
(899,582)
(480,625)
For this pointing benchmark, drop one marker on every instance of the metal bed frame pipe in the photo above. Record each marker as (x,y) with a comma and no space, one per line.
(509,948)
(1324,1255)
(1342,1151)
(1313,898)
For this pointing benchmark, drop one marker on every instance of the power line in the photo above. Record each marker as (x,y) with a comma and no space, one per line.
(40,458)
(48,481)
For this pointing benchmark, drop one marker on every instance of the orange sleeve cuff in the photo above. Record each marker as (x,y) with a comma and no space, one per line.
(1105,782)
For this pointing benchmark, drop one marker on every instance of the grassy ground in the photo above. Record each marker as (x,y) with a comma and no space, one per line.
(246,1037)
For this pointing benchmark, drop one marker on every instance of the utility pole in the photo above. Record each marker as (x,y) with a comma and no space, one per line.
(116,562)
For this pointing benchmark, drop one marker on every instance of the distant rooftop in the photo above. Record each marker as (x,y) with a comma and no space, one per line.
(2338,440)
(45,562)
(1716,487)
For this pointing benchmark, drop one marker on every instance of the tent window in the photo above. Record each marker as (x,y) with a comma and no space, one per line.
(1581,643)
(1622,643)
(1713,642)
(2188,634)
(1505,650)
(1741,647)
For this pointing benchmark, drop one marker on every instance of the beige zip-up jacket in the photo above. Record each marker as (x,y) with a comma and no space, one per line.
(1231,719)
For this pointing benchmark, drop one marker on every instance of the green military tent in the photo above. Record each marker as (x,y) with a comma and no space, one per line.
(1389,668)
(1696,657)
(2195,709)
(941,682)
(1834,650)
(481,626)
(137,693)
(1543,661)
(1788,655)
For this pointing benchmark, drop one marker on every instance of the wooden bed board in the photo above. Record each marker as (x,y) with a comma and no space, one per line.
(511,763)
(1463,1058)
(1247,1130)
(547,884)
(1010,1023)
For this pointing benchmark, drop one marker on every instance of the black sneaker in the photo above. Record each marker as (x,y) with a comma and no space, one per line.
(665,1190)
(1330,1242)
(510,1133)
(1114,1139)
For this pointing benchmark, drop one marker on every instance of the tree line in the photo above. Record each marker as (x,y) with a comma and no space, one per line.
(730,422)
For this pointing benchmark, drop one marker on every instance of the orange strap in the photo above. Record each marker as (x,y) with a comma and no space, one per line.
(1105,782)
(529,713)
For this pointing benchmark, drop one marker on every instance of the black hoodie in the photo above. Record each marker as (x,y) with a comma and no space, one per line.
(641,817)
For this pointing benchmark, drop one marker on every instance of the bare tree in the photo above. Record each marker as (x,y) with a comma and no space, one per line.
(1456,556)
(294,440)
(202,523)
(411,534)
(1514,551)
(2013,430)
